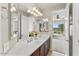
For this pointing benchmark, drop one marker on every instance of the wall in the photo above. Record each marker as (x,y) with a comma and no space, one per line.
(31,23)
(5,43)
(0,32)
(27,26)
(67,27)
(24,27)
(60,12)
(4,27)
(76,29)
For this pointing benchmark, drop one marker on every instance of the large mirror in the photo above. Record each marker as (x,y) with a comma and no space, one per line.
(14,26)
(32,27)
(15,23)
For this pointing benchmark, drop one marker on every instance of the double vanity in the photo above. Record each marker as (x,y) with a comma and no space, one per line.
(37,47)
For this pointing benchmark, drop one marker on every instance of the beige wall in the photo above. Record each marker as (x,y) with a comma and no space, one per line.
(4,24)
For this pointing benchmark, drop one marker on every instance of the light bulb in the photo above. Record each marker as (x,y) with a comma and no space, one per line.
(36,11)
(35,14)
(32,12)
(13,9)
(28,11)
(34,8)
(40,14)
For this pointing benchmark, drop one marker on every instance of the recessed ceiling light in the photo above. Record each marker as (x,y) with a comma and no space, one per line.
(36,11)
(28,11)
(34,8)
(40,14)
(35,14)
(32,12)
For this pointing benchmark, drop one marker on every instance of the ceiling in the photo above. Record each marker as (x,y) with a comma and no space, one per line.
(45,8)
(51,6)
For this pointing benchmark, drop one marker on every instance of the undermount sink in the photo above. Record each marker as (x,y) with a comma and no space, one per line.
(31,39)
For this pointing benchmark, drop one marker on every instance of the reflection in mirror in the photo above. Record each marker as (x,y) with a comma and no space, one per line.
(43,27)
(14,23)
(32,27)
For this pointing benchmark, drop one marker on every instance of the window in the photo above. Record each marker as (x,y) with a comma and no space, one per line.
(58,28)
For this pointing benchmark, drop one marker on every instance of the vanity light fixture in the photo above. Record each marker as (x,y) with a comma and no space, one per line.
(13,9)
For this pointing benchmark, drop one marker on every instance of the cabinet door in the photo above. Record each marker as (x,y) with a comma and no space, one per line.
(42,50)
(36,53)
(48,44)
(46,47)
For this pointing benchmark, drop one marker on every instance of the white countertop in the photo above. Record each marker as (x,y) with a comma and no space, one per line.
(24,49)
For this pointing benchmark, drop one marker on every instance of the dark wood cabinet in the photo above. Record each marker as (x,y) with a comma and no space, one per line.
(36,53)
(43,49)
(48,44)
(46,48)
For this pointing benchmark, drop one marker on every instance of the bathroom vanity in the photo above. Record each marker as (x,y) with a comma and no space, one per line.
(43,49)
(38,47)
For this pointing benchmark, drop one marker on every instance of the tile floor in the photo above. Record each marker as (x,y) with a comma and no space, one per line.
(54,53)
